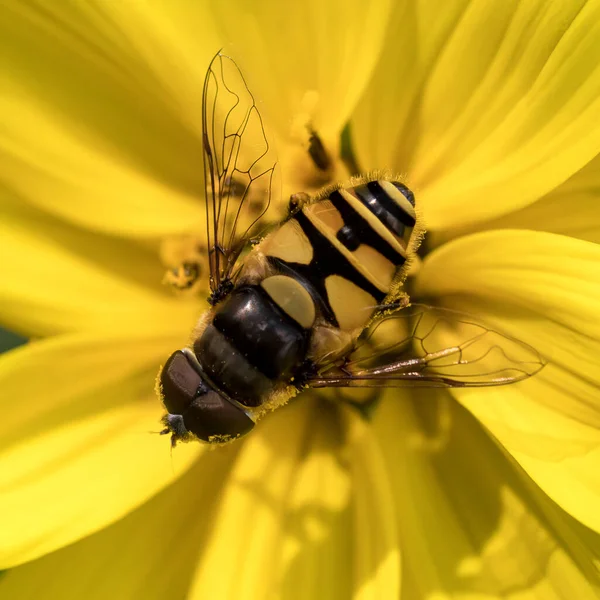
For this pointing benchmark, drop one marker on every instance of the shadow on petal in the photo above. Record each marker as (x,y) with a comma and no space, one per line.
(471,522)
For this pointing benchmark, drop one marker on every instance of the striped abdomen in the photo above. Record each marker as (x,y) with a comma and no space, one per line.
(348,248)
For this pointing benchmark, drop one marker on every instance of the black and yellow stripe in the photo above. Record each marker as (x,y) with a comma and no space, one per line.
(347,248)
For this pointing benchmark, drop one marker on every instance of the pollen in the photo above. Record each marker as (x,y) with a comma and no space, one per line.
(185,258)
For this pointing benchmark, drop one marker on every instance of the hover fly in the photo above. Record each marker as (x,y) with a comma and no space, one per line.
(319,301)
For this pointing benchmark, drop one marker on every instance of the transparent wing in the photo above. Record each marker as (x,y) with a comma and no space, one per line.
(432,347)
(240,166)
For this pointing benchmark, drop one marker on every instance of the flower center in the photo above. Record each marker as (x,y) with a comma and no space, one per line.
(186,261)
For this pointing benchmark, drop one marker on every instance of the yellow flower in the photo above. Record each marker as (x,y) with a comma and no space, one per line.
(492,110)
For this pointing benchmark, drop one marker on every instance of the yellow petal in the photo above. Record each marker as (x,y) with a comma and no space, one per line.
(310,58)
(271,517)
(174,40)
(377,545)
(288,524)
(384,131)
(542,288)
(57,277)
(471,523)
(89,131)
(571,209)
(151,553)
(509,109)
(76,451)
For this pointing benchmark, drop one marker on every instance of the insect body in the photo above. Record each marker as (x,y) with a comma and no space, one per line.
(305,307)
(304,293)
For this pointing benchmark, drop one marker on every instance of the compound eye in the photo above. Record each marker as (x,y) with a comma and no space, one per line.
(179,383)
(212,415)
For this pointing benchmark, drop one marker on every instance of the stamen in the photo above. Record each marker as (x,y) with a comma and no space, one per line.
(317,152)
(187,264)
(347,152)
